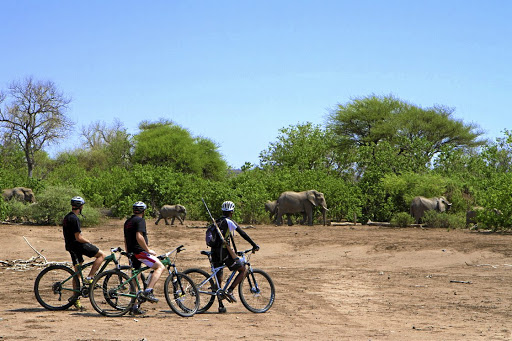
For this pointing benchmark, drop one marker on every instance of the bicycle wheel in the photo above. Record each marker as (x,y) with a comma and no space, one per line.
(56,288)
(205,287)
(112,293)
(257,291)
(181,294)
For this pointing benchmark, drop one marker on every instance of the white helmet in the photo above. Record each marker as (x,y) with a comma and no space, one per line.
(77,201)
(228,206)
(139,207)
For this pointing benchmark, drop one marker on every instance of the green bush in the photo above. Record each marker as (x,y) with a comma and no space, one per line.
(444,220)
(402,219)
(53,203)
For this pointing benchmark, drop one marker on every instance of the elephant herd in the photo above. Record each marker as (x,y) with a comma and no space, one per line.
(288,203)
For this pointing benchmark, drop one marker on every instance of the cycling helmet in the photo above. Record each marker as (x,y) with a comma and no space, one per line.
(228,206)
(139,207)
(77,201)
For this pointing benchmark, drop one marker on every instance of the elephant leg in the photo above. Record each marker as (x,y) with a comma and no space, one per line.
(279,219)
(172,220)
(166,221)
(290,222)
(181,220)
(156,222)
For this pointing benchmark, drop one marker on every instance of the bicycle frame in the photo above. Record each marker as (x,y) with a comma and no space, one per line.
(79,269)
(166,261)
(215,271)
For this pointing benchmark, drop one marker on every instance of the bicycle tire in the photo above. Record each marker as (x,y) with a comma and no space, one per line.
(53,291)
(257,291)
(112,293)
(113,302)
(181,294)
(199,276)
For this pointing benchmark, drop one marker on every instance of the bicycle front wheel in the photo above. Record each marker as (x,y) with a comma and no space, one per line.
(112,293)
(56,288)
(181,294)
(206,287)
(257,291)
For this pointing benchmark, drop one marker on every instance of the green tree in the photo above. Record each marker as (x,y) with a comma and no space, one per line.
(302,146)
(34,116)
(414,135)
(166,144)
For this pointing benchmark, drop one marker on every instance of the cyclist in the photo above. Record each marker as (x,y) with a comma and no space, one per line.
(221,255)
(77,245)
(136,242)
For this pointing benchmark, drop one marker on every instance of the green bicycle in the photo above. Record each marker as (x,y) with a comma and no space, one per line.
(58,286)
(114,293)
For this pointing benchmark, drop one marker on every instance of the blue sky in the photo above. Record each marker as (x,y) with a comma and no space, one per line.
(238,71)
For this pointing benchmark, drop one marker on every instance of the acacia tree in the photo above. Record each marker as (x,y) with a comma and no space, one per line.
(413,134)
(34,116)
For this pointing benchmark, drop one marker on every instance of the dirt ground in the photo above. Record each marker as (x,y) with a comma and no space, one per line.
(332,283)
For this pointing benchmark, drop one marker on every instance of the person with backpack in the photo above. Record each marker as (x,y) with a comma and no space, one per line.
(136,243)
(222,255)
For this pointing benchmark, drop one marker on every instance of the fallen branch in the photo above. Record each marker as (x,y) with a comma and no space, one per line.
(35,250)
(463,282)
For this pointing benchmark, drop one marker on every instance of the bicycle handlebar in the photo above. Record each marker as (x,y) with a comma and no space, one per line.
(177,250)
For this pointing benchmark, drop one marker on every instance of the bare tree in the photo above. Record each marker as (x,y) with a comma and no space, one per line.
(33,116)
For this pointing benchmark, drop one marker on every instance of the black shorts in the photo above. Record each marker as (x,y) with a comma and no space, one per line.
(80,249)
(220,256)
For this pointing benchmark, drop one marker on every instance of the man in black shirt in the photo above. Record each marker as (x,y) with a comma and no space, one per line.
(136,242)
(77,245)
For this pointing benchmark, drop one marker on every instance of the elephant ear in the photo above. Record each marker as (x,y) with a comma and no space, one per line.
(311,198)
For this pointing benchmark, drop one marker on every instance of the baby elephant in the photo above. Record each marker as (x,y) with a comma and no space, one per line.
(172,211)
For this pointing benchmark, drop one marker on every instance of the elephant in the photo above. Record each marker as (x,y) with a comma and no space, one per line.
(472,214)
(420,205)
(271,207)
(172,211)
(297,202)
(23,194)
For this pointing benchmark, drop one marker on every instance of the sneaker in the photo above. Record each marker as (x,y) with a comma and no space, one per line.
(149,296)
(230,297)
(88,281)
(137,311)
(78,305)
(222,310)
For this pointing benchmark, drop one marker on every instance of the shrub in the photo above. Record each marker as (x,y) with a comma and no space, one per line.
(402,219)
(451,221)
(53,204)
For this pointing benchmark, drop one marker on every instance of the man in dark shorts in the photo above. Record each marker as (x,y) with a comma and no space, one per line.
(77,245)
(221,255)
(136,243)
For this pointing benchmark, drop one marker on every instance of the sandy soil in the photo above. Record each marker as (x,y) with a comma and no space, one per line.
(333,282)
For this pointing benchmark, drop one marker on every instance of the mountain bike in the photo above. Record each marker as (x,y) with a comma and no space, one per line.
(256,291)
(58,286)
(114,292)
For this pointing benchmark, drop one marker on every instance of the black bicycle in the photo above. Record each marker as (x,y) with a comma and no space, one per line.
(256,291)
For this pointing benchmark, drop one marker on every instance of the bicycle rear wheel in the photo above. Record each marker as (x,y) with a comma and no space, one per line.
(112,293)
(257,291)
(56,288)
(205,287)
(181,294)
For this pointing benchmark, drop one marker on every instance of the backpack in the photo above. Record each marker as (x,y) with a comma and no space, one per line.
(212,236)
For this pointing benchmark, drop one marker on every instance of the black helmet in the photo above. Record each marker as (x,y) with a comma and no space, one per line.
(77,201)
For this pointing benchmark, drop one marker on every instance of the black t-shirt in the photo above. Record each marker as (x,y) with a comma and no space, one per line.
(133,225)
(70,226)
